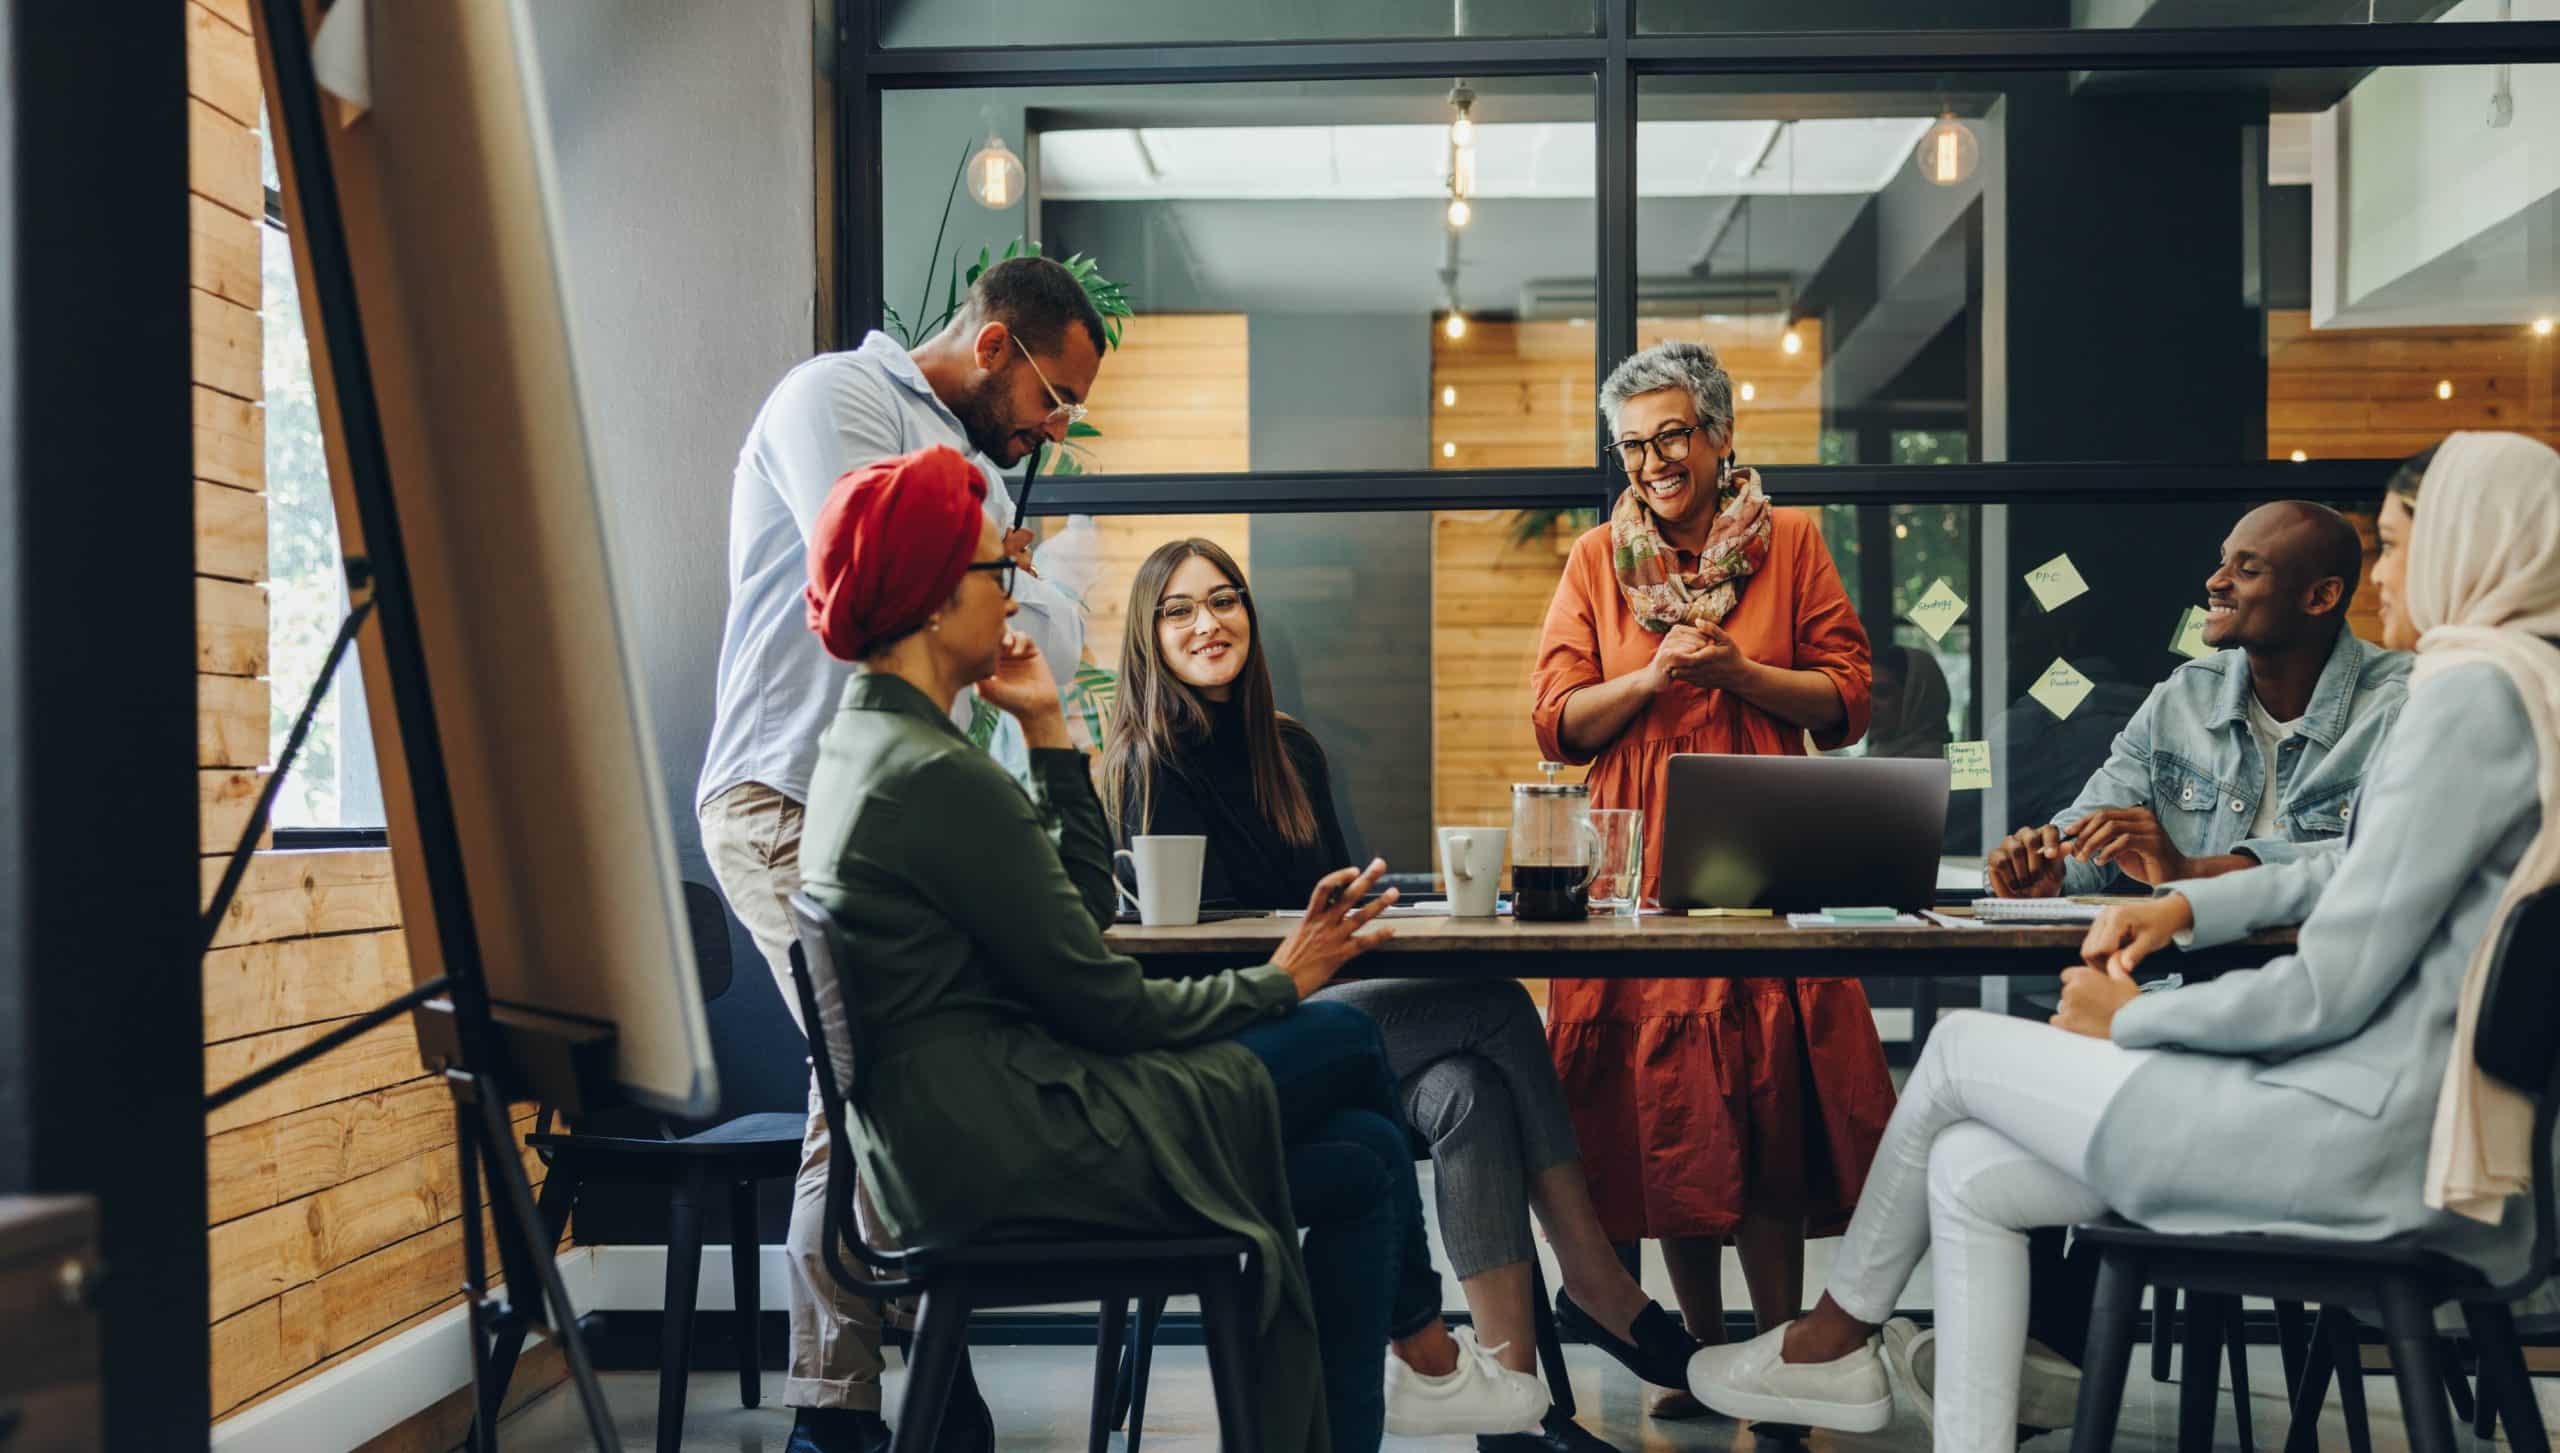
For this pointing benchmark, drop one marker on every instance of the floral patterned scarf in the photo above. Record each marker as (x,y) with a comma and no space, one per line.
(1737,545)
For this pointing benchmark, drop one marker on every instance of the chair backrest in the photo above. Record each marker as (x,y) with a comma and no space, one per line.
(818,957)
(708,918)
(2518,1042)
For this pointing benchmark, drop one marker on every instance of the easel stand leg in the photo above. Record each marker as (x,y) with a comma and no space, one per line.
(525,1256)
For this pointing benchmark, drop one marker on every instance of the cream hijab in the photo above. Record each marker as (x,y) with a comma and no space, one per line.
(2484,586)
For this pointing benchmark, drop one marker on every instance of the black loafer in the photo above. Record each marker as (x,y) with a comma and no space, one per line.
(1556,1434)
(1660,1354)
(837,1430)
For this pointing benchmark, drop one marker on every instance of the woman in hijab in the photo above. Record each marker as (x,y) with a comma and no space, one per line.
(2342,1073)
(1029,1082)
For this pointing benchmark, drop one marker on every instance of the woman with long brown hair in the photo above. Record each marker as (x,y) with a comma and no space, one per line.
(1198,746)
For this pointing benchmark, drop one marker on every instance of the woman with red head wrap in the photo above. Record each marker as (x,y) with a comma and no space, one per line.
(1028,1081)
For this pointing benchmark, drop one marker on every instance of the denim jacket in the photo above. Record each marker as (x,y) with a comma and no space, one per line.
(2189,756)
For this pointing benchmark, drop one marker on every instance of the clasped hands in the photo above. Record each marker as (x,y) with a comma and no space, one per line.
(2123,936)
(1702,656)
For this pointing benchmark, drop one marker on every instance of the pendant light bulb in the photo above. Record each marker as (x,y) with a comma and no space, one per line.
(995,175)
(2542,327)
(1948,152)
(1792,343)
(1749,393)
(1460,214)
(1456,327)
(1462,132)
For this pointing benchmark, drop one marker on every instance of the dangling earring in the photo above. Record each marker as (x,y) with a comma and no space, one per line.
(1724,473)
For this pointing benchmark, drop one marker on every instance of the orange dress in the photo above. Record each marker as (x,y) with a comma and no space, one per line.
(1698,1100)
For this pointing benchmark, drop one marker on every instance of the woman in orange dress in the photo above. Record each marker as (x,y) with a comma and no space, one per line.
(1698,619)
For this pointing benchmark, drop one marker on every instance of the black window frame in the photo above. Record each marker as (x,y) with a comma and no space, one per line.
(1616,58)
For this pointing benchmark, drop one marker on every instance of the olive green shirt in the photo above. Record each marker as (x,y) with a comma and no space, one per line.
(1021,1077)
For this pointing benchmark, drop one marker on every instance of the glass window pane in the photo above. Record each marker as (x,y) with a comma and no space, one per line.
(1299,287)
(1711,17)
(1157,22)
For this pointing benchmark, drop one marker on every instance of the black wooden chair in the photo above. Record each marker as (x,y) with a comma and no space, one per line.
(955,1281)
(698,1169)
(2518,1043)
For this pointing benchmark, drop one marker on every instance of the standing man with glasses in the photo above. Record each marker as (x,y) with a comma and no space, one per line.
(1011,372)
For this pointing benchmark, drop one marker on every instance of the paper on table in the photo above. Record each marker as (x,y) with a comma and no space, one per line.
(1937,611)
(2188,640)
(1399,910)
(2056,581)
(2061,688)
(1968,766)
(1949,920)
(1825,920)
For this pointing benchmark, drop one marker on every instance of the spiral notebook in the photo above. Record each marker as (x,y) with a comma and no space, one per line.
(2039,910)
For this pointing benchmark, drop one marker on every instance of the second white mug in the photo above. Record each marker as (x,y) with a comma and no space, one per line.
(1168,874)
(1471,866)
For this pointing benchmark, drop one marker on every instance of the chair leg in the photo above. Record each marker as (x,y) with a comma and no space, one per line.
(2109,1354)
(1227,1319)
(2164,1330)
(2235,1329)
(2408,1322)
(2346,1354)
(1542,1315)
(1107,1363)
(1142,1361)
(2293,1340)
(746,1262)
(2200,1373)
(684,1281)
(2506,1389)
(2311,1388)
(559,1194)
(2457,1389)
(941,1338)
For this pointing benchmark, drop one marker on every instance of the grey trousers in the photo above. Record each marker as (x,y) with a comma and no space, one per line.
(1477,1084)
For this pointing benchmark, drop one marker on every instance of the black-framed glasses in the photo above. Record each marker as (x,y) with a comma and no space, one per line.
(1671,444)
(1225,603)
(1004,573)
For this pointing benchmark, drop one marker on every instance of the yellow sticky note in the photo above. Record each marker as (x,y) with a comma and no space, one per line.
(1937,610)
(2189,640)
(1968,766)
(2056,581)
(2061,688)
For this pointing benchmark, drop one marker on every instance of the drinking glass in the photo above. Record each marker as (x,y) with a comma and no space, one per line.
(1617,878)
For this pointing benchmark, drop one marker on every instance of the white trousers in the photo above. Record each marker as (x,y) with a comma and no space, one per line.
(1990,1140)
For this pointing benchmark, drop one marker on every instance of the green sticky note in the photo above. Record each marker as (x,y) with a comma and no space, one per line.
(1863,915)
(2188,639)
(2056,581)
(2061,688)
(1968,766)
(1937,610)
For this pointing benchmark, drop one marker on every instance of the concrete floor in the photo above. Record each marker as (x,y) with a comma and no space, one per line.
(1040,1397)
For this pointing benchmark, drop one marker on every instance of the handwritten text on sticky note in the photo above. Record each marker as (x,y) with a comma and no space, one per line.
(2055,581)
(2061,688)
(1937,610)
(2189,641)
(1968,766)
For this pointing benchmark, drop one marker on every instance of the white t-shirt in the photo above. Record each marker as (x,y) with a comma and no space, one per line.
(2271,734)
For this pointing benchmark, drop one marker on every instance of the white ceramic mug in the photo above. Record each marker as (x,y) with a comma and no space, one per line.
(1168,873)
(1471,866)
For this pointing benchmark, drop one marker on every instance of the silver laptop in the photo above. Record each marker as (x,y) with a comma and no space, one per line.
(1798,833)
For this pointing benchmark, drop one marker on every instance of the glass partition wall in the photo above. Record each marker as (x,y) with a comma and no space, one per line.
(2028,302)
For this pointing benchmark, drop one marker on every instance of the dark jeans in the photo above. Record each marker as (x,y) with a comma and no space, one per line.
(2062,1292)
(1351,1181)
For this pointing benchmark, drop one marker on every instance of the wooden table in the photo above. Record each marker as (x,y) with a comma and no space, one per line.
(1666,947)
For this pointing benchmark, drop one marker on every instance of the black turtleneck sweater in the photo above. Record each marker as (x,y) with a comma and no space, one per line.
(1207,791)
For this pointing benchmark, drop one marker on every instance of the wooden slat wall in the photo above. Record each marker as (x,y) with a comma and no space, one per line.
(1526,397)
(332,1193)
(1185,379)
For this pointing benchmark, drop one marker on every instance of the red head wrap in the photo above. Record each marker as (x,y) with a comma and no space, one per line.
(890,546)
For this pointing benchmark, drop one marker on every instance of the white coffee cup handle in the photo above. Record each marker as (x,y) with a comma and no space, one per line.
(1462,854)
(1128,900)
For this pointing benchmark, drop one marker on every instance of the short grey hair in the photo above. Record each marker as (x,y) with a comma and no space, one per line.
(1689,366)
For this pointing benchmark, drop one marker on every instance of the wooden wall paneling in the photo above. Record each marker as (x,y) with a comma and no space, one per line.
(223,252)
(222,62)
(233,12)
(231,532)
(2371,392)
(231,721)
(231,628)
(231,440)
(376,1060)
(222,161)
(223,802)
(302,894)
(263,987)
(310,1150)
(229,345)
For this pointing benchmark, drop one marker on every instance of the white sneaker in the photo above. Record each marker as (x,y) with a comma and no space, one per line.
(2048,1385)
(1481,1396)
(1748,1380)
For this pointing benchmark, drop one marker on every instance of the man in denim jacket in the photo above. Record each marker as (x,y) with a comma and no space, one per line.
(2242,757)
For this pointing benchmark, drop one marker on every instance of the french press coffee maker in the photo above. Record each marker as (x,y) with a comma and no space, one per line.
(1553,849)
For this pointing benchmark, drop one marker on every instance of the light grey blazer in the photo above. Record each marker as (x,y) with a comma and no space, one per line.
(2299,1098)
